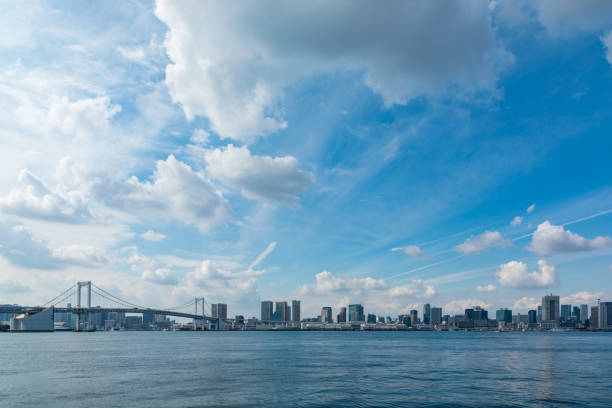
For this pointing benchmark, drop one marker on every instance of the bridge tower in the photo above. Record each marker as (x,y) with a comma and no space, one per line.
(79,286)
(197,301)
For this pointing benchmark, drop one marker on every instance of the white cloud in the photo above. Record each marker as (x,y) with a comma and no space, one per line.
(416,289)
(516,221)
(549,239)
(412,250)
(200,137)
(36,200)
(263,255)
(566,17)
(459,306)
(514,274)
(231,63)
(12,287)
(486,288)
(151,235)
(270,179)
(531,208)
(80,254)
(606,40)
(482,242)
(526,303)
(222,282)
(160,276)
(583,297)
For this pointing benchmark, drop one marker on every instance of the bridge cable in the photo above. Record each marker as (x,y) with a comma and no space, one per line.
(58,296)
(118,299)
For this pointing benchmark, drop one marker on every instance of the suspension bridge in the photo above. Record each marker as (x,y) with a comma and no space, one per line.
(107,302)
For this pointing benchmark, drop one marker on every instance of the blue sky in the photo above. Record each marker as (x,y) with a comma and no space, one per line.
(390,154)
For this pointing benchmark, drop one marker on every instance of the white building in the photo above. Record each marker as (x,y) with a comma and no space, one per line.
(42,321)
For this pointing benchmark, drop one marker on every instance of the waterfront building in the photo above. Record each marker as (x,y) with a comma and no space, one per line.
(371,318)
(133,322)
(282,308)
(550,308)
(468,315)
(504,316)
(219,310)
(404,319)
(436,315)
(533,317)
(478,313)
(267,310)
(342,315)
(239,319)
(326,314)
(605,315)
(356,313)
(566,312)
(594,321)
(426,313)
(576,313)
(295,311)
(147,318)
(584,313)
(539,317)
(414,317)
(41,321)
(160,318)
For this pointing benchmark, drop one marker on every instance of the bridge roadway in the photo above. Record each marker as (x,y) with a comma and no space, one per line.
(84,310)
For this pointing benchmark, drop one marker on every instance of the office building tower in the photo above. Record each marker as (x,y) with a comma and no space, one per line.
(426,313)
(605,315)
(576,313)
(326,314)
(356,313)
(371,318)
(594,320)
(295,311)
(342,315)
(504,315)
(584,313)
(539,317)
(436,316)
(414,317)
(533,316)
(478,313)
(566,312)
(147,318)
(267,310)
(468,316)
(404,319)
(219,310)
(282,311)
(550,308)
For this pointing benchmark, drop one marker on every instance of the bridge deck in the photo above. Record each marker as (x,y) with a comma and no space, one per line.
(85,310)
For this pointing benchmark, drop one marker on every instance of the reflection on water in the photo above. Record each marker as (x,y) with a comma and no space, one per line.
(201,369)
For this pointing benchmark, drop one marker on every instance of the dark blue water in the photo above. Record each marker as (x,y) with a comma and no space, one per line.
(345,369)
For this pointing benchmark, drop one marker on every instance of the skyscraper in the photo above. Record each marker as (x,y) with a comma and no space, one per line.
(414,317)
(371,318)
(550,308)
(576,313)
(219,310)
(503,315)
(295,311)
(326,314)
(539,316)
(533,317)
(594,320)
(605,315)
(282,310)
(426,313)
(566,312)
(356,313)
(342,315)
(436,315)
(584,313)
(267,310)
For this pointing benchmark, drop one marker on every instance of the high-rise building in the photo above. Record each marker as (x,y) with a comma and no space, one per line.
(267,309)
(148,318)
(326,314)
(219,310)
(468,316)
(404,319)
(605,315)
(584,313)
(539,317)
(282,311)
(414,317)
(533,316)
(503,315)
(436,315)
(576,313)
(479,313)
(550,308)
(594,320)
(295,311)
(426,313)
(371,318)
(342,315)
(566,312)
(356,313)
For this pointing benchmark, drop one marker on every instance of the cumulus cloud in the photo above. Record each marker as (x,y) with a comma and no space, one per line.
(526,303)
(459,306)
(153,236)
(549,239)
(531,208)
(231,283)
(80,254)
(412,250)
(486,288)
(265,178)
(34,199)
(174,190)
(584,297)
(415,288)
(514,274)
(516,221)
(231,63)
(606,40)
(482,242)
(200,137)
(160,276)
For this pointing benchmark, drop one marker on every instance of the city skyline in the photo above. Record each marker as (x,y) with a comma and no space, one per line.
(198,152)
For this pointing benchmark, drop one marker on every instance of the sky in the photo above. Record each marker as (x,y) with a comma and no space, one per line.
(391,154)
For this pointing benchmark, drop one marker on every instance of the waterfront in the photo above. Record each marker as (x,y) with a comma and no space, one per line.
(202,369)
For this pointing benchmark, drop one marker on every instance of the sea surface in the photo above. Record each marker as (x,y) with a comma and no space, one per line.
(305,369)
